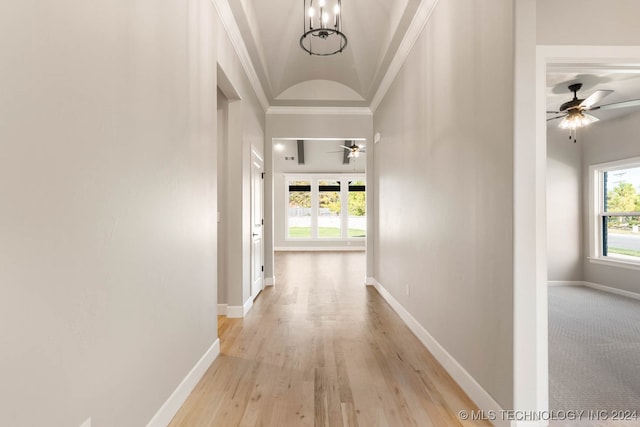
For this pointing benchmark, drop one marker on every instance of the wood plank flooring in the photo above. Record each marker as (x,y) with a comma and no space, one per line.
(321,349)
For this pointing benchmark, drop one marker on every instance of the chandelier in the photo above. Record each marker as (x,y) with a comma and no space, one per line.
(322,27)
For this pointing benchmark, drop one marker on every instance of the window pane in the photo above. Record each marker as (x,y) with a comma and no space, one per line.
(357,209)
(299,211)
(623,237)
(622,188)
(329,209)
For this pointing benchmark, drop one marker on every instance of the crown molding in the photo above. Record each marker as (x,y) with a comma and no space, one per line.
(231,27)
(422,16)
(354,111)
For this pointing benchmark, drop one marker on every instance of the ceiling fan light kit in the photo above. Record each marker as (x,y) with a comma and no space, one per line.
(322,27)
(577,119)
(351,151)
(354,150)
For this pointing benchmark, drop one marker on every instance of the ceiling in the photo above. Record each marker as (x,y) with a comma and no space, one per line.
(271,31)
(289,76)
(320,155)
(623,80)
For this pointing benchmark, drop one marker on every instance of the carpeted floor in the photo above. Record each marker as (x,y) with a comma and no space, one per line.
(594,350)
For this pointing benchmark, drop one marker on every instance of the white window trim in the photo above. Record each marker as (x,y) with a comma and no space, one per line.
(313,179)
(596,201)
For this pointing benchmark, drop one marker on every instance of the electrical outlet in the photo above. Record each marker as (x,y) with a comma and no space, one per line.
(87,423)
(408,290)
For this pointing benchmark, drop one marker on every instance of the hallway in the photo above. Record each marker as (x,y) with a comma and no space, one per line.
(321,349)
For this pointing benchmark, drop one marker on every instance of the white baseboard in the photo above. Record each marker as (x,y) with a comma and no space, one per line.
(168,410)
(370,281)
(247,306)
(269,281)
(597,286)
(222,309)
(565,283)
(236,311)
(611,290)
(318,248)
(470,386)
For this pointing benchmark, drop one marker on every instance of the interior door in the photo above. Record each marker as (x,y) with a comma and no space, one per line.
(257,251)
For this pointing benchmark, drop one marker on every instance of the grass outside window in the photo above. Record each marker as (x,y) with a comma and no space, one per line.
(302,232)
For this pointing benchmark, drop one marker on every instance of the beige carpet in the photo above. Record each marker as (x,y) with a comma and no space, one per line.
(594,350)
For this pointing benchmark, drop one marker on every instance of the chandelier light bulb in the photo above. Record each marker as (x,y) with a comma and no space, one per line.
(325,17)
(322,3)
(577,119)
(311,12)
(336,9)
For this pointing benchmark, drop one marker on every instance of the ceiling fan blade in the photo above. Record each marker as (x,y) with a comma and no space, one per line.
(622,104)
(557,117)
(344,146)
(594,98)
(553,112)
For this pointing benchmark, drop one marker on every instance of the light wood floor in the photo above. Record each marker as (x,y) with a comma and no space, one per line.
(321,349)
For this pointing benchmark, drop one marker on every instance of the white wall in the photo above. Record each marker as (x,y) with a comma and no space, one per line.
(603,142)
(443,188)
(108,183)
(320,156)
(588,22)
(564,206)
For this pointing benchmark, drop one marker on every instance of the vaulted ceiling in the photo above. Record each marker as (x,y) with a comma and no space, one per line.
(289,76)
(271,31)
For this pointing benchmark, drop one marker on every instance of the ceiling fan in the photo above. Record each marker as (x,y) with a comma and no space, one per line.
(354,150)
(574,112)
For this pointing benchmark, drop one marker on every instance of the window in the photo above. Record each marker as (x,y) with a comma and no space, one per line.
(616,218)
(357,209)
(299,209)
(329,207)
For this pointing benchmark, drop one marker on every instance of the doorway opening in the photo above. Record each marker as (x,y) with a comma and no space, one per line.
(588,330)
(319,194)
(583,60)
(236,246)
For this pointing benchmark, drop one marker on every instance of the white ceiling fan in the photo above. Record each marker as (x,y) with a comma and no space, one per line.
(354,150)
(574,112)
